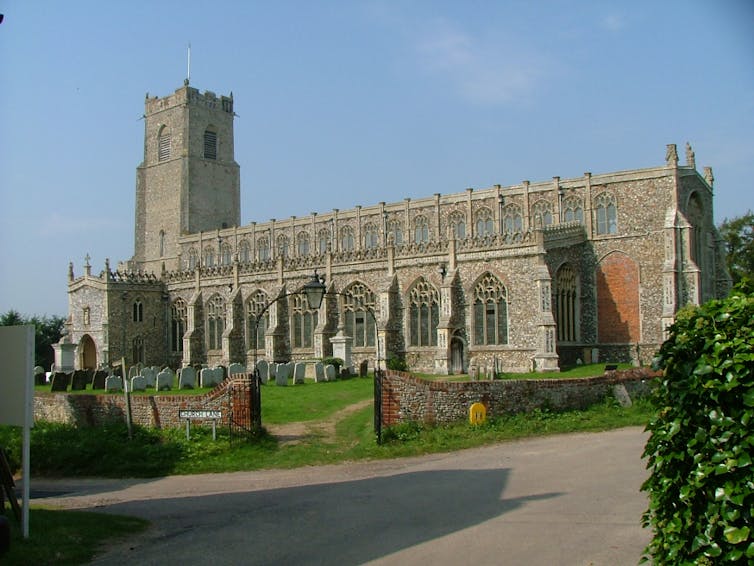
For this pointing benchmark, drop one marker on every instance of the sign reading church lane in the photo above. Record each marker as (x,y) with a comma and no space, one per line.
(196,414)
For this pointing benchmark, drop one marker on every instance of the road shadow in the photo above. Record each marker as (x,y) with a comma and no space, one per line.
(349,522)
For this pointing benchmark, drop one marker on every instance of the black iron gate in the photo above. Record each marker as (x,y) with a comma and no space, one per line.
(245,405)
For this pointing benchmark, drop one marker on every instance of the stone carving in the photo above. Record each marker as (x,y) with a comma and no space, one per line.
(671,155)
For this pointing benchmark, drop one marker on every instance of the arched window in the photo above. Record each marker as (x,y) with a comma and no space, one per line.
(163,144)
(490,312)
(607,218)
(244,251)
(210,144)
(193,259)
(512,219)
(421,230)
(424,314)
(87,316)
(566,303)
(302,243)
(303,322)
(457,223)
(346,239)
(226,254)
(283,247)
(256,327)
(138,311)
(541,212)
(323,240)
(178,316)
(209,257)
(371,236)
(263,248)
(215,322)
(395,230)
(137,348)
(484,222)
(573,210)
(162,243)
(696,218)
(358,299)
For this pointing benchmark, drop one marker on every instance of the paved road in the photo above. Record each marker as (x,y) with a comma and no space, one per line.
(563,500)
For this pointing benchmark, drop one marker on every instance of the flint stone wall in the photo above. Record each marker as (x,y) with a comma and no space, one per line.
(406,398)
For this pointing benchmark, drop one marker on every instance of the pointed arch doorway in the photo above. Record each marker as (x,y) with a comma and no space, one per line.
(456,355)
(87,353)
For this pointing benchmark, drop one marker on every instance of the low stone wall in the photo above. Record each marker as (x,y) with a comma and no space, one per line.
(156,411)
(407,398)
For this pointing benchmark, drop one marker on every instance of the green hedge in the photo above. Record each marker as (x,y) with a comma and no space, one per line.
(701,488)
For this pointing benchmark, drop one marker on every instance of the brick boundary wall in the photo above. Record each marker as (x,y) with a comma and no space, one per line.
(408,398)
(155,411)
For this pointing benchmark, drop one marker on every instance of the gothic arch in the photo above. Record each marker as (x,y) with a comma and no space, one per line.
(87,353)
(618,313)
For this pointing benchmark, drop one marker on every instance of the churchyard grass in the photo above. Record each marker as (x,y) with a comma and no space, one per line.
(66,537)
(573,372)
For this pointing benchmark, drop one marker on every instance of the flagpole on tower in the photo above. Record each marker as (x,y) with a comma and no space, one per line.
(188,65)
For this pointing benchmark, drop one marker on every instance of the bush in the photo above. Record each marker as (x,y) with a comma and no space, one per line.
(701,489)
(337,362)
(396,363)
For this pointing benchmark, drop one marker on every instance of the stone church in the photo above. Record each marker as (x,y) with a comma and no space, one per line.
(531,276)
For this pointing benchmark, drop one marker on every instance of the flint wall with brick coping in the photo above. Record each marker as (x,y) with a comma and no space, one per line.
(156,411)
(407,398)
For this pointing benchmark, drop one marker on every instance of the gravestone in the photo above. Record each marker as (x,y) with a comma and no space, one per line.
(330,373)
(299,373)
(113,383)
(281,375)
(263,367)
(319,372)
(98,381)
(273,368)
(364,368)
(133,371)
(164,380)
(236,368)
(79,380)
(187,379)
(150,376)
(139,383)
(210,377)
(39,375)
(60,381)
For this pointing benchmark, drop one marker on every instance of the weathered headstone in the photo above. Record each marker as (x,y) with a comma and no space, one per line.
(282,374)
(273,369)
(210,377)
(164,380)
(187,380)
(113,383)
(150,376)
(364,368)
(299,373)
(39,375)
(330,373)
(98,381)
(319,372)
(236,368)
(133,371)
(139,383)
(263,367)
(79,380)
(60,381)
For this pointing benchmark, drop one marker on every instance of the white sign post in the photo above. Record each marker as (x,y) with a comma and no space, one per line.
(17,395)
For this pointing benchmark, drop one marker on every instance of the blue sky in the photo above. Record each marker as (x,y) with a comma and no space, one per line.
(346,103)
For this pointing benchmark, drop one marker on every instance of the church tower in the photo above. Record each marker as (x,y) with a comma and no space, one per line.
(189,180)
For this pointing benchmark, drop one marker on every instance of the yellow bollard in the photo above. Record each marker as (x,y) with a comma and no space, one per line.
(477,413)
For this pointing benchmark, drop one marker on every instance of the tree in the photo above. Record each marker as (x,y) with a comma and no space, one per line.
(738,234)
(48,330)
(701,444)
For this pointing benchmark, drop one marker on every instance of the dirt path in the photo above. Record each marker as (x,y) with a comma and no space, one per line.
(294,433)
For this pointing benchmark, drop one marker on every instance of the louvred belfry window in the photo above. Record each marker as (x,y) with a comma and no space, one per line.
(210,144)
(163,147)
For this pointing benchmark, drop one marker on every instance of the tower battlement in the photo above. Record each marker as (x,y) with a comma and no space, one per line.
(187,95)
